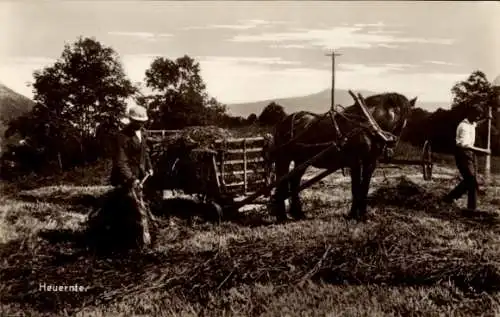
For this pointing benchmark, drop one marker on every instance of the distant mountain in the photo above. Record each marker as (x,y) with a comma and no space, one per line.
(12,105)
(317,103)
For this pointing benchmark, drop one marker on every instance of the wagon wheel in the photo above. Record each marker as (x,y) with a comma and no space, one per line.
(427,164)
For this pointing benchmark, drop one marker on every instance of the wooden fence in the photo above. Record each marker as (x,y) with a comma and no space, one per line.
(160,134)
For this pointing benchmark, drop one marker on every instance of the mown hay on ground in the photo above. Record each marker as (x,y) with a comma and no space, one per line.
(208,267)
(407,194)
(395,251)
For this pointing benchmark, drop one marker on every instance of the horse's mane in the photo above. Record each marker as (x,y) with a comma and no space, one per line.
(309,113)
(389,98)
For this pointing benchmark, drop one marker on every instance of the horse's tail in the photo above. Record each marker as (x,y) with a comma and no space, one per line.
(269,148)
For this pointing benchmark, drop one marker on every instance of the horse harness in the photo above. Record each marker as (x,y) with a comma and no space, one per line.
(332,113)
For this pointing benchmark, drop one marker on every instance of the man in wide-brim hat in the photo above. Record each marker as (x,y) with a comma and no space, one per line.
(124,213)
(131,161)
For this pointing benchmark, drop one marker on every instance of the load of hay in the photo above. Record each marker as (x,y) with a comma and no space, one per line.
(200,137)
(185,160)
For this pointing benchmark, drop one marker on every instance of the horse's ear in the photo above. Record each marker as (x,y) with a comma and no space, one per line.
(413,102)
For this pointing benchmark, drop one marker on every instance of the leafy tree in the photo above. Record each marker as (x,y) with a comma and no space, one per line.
(475,90)
(179,96)
(84,89)
(272,114)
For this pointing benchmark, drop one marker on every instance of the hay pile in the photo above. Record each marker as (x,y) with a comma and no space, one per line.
(406,194)
(200,137)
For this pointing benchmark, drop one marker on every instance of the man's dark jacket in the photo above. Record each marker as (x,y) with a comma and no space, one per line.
(131,159)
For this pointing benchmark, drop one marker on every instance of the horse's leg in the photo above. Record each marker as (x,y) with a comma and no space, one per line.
(366,176)
(281,191)
(355,190)
(296,205)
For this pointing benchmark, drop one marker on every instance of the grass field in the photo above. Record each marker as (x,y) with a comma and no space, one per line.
(414,256)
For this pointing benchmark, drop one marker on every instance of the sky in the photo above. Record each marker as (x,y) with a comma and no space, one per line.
(250,51)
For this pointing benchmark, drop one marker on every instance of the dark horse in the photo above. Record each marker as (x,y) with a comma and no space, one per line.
(302,135)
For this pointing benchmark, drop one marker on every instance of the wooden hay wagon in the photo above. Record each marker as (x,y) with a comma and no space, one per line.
(223,172)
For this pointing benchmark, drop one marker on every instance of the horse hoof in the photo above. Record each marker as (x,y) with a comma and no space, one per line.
(351,216)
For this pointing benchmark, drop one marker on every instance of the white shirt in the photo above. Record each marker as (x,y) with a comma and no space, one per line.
(139,135)
(466,133)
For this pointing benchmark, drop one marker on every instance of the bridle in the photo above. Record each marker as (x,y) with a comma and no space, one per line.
(398,138)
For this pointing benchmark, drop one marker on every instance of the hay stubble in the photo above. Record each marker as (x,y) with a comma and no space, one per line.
(415,258)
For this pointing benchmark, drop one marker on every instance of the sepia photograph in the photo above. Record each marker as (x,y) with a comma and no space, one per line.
(249,158)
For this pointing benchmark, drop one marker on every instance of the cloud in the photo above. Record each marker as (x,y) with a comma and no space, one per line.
(363,25)
(337,37)
(250,60)
(141,35)
(297,46)
(382,68)
(388,45)
(440,63)
(242,25)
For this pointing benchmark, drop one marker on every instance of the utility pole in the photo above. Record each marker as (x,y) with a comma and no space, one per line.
(333,54)
(487,165)
(496,102)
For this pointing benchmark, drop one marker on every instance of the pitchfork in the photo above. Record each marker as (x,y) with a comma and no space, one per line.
(144,211)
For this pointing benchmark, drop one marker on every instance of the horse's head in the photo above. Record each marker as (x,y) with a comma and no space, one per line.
(391,111)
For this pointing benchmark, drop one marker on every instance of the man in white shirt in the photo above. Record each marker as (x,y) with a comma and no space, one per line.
(465,159)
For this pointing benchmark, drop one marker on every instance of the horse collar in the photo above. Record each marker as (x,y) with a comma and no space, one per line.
(332,117)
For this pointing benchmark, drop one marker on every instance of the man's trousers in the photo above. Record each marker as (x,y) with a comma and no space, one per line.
(465,160)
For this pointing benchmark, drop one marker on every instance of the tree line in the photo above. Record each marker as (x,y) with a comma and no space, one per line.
(80,99)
